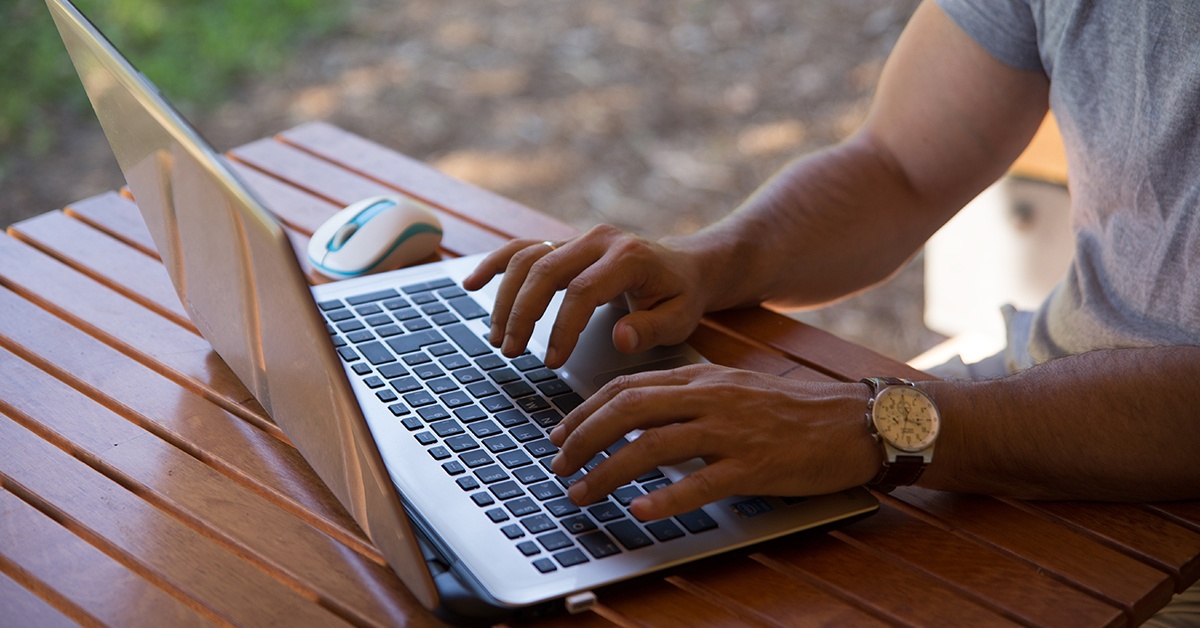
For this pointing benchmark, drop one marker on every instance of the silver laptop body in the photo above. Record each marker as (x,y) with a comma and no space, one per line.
(239,279)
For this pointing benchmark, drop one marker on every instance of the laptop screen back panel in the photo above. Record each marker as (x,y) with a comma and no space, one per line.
(238,277)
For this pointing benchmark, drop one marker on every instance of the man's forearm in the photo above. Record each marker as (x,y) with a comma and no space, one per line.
(1109,425)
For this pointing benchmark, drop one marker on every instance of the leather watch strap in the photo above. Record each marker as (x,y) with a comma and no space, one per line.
(902,472)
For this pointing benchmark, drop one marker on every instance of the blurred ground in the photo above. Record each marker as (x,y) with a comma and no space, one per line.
(658,116)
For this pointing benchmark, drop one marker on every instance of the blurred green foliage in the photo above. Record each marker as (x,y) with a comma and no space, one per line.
(194,50)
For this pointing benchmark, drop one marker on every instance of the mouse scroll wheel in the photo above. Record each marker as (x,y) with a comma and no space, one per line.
(341,235)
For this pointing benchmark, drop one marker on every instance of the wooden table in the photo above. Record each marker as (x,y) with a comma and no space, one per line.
(141,484)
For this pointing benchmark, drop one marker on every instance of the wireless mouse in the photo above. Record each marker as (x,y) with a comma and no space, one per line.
(373,235)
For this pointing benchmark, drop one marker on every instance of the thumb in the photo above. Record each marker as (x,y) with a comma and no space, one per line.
(666,324)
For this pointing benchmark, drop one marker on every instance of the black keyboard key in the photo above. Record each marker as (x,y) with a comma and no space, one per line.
(412,424)
(404,385)
(454,467)
(399,409)
(529,474)
(529,548)
(482,389)
(605,511)
(517,390)
(615,447)
(540,375)
(456,399)
(628,534)
(496,404)
(513,531)
(594,462)
(570,558)
(485,429)
(554,387)
(491,473)
(468,484)
(561,507)
(411,342)
(538,524)
(481,498)
(387,331)
(451,292)
(555,541)
(418,399)
(445,318)
(656,484)
(567,480)
(440,350)
(371,296)
(459,444)
(429,309)
(347,354)
(696,521)
(422,299)
(545,490)
(442,385)
(439,452)
(368,310)
(475,458)
(664,530)
(468,375)
(527,363)
(511,418)
(467,307)
(578,524)
(626,494)
(497,515)
(414,359)
(521,506)
(514,459)
(358,337)
(449,427)
(650,475)
(425,438)
(545,565)
(339,316)
(525,433)
(363,369)
(350,325)
(378,320)
(504,376)
(397,303)
(435,413)
(373,382)
(542,447)
(386,396)
(454,362)
(599,545)
(466,340)
(428,371)
(489,362)
(501,443)
(407,314)
(392,371)
(506,490)
(332,304)
(568,402)
(547,418)
(466,414)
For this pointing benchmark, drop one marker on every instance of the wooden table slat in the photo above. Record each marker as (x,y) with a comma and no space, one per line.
(672,606)
(343,187)
(262,463)
(80,577)
(105,259)
(1056,550)
(1183,513)
(127,325)
(1140,533)
(161,549)
(998,579)
(888,587)
(769,595)
(116,215)
(422,181)
(23,608)
(174,481)
(736,353)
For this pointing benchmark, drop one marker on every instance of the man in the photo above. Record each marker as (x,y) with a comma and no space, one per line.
(1110,410)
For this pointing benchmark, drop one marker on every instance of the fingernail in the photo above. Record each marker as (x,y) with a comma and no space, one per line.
(556,436)
(577,491)
(508,346)
(631,337)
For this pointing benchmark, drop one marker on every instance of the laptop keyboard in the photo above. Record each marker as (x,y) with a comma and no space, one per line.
(485,419)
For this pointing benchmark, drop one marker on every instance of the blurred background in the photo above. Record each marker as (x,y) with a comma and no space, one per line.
(658,116)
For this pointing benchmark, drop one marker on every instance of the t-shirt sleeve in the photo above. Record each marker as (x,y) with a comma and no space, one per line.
(1005,28)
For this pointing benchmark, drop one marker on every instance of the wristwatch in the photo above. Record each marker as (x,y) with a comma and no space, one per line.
(906,421)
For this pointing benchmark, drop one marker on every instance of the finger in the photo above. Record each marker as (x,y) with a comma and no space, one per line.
(515,276)
(548,273)
(668,445)
(703,486)
(493,264)
(608,392)
(668,323)
(596,285)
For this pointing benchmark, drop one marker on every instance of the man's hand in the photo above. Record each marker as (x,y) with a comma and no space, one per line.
(759,434)
(660,284)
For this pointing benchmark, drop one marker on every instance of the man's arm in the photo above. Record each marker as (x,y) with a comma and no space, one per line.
(947,121)
(1108,425)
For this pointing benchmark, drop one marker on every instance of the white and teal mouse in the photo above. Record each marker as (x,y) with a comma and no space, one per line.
(374,235)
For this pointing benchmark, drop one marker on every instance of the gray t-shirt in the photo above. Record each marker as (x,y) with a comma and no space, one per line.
(1125,89)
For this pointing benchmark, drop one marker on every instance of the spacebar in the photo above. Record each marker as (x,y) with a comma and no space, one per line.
(466,340)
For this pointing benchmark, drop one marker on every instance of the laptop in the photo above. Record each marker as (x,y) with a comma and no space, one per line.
(432,441)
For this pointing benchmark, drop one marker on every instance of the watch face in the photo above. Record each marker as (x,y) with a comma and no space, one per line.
(905,418)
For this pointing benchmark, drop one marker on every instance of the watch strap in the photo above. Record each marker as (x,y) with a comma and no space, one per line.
(902,469)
